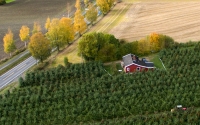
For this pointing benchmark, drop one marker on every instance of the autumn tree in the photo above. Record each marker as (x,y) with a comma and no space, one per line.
(143,47)
(47,24)
(67,30)
(91,13)
(156,42)
(103,5)
(86,2)
(9,44)
(110,3)
(39,46)
(36,27)
(24,34)
(80,25)
(60,32)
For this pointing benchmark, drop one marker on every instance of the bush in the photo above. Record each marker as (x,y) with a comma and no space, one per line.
(66,62)
(2,2)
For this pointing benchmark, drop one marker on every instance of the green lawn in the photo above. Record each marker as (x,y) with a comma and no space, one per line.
(9,1)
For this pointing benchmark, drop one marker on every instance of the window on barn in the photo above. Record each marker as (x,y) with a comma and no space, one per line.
(138,68)
(128,69)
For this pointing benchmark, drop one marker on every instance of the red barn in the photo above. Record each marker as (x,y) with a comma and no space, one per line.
(132,63)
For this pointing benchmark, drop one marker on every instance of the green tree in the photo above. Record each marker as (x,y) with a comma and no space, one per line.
(24,34)
(98,46)
(39,46)
(91,13)
(87,46)
(80,25)
(36,27)
(9,44)
(103,5)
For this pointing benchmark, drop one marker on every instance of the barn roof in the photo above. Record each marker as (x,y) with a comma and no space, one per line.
(132,59)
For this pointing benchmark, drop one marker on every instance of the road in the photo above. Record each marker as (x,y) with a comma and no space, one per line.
(15,72)
(14,59)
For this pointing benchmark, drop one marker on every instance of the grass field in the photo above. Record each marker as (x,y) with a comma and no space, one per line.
(9,1)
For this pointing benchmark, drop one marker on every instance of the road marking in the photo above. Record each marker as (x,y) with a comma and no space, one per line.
(8,75)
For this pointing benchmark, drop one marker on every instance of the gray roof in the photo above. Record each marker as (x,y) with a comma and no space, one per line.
(130,58)
(127,59)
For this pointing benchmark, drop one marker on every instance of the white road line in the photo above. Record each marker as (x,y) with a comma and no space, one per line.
(8,76)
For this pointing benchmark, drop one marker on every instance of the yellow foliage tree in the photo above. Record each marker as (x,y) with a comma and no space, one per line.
(86,2)
(80,25)
(91,14)
(9,45)
(155,42)
(67,29)
(103,5)
(36,27)
(143,46)
(47,24)
(39,46)
(24,34)
(110,3)
(60,32)
(78,4)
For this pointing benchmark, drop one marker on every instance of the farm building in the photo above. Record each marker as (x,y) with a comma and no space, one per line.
(132,63)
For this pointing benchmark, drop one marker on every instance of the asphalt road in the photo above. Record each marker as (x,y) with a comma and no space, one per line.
(15,72)
(14,59)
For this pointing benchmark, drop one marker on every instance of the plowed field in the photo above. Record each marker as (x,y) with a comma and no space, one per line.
(180,20)
(26,12)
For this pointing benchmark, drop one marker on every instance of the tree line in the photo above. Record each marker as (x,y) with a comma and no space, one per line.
(59,32)
(105,47)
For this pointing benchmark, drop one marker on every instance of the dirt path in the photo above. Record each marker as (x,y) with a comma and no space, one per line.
(180,20)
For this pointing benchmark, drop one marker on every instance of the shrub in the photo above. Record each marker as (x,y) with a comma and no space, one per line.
(2,2)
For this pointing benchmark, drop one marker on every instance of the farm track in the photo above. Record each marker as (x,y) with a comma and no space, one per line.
(104,25)
(180,20)
(110,17)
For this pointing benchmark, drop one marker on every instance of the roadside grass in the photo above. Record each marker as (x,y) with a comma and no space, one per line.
(9,87)
(4,70)
(9,1)
(72,51)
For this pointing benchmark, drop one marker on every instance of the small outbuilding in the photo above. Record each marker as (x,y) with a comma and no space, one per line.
(132,63)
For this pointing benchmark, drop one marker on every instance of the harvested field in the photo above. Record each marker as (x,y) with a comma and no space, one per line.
(25,12)
(180,20)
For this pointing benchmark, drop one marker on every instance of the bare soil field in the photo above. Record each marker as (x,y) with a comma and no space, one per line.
(26,12)
(179,19)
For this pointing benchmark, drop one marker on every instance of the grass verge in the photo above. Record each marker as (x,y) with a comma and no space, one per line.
(9,1)
(9,87)
(155,59)
(15,63)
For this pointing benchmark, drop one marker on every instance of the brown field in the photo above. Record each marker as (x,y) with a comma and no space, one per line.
(180,20)
(25,12)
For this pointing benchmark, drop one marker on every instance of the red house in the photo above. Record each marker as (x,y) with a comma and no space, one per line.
(132,63)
